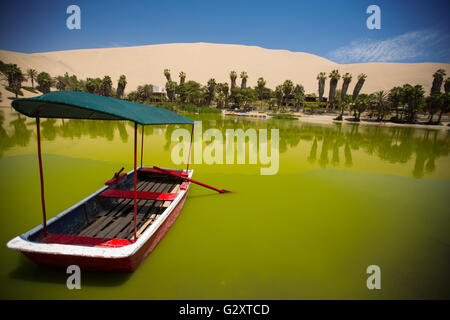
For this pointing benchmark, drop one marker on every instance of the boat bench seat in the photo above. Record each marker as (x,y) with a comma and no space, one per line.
(129,194)
(153,170)
(84,241)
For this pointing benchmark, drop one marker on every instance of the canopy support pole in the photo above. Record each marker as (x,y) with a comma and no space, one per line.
(135,179)
(38,130)
(142,145)
(190,146)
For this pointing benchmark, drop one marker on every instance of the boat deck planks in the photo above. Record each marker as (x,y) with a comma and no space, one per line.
(118,220)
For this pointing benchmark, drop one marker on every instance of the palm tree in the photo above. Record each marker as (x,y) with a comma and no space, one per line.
(171,87)
(14,76)
(321,77)
(347,79)
(67,82)
(220,100)
(299,89)
(433,103)
(32,74)
(438,78)
(144,92)
(380,99)
(93,85)
(233,77)
(223,88)
(182,76)
(167,74)
(343,104)
(413,96)
(121,86)
(44,82)
(60,83)
(106,86)
(361,79)
(244,77)
(395,98)
(260,86)
(334,78)
(447,85)
(279,94)
(361,104)
(298,99)
(288,88)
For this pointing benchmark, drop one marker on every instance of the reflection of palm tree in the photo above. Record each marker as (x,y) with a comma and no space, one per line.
(323,161)
(49,130)
(313,153)
(22,134)
(4,139)
(122,131)
(348,155)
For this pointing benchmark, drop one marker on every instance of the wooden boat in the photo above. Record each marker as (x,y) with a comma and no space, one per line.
(119,225)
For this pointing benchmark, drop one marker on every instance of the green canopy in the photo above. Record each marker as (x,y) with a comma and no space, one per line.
(82,105)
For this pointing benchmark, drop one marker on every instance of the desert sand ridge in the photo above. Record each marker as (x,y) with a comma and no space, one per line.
(202,61)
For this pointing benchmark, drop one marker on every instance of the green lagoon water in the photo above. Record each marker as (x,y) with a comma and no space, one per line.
(345,197)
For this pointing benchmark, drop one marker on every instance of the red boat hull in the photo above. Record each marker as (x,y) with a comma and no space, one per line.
(127,264)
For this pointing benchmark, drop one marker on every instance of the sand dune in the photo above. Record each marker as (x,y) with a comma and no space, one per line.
(201,61)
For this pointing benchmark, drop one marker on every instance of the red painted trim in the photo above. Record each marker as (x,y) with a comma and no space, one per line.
(113,193)
(142,145)
(184,186)
(135,179)
(152,170)
(84,241)
(115,243)
(115,180)
(191,180)
(41,174)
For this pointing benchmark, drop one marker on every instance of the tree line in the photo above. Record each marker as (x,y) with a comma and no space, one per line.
(406,101)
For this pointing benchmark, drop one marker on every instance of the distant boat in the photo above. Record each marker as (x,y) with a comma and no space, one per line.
(119,225)
(248,115)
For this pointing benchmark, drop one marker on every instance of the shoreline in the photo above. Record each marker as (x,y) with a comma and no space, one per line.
(329,118)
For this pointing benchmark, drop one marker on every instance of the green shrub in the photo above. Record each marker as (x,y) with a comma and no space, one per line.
(188,108)
(283,116)
(20,93)
(30,89)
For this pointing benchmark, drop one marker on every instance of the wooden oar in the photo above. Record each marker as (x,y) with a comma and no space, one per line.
(190,180)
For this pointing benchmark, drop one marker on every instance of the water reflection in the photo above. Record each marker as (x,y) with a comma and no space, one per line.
(327,145)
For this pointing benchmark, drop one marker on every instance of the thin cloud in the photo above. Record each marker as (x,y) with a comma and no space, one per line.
(416,45)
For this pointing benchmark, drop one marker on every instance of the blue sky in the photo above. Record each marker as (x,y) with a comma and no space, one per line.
(411,30)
